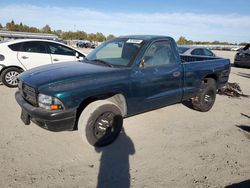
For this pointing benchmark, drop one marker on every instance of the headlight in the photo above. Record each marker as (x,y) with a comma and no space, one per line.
(49,102)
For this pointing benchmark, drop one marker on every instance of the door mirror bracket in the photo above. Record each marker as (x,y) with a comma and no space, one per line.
(142,64)
(77,55)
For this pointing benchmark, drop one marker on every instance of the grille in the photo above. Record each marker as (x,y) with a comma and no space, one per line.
(28,93)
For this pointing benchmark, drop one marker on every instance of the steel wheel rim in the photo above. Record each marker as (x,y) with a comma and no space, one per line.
(208,98)
(11,78)
(104,125)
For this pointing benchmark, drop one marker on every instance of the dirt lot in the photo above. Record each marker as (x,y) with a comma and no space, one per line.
(170,147)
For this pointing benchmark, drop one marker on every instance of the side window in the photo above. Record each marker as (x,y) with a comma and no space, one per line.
(208,52)
(15,47)
(182,50)
(197,51)
(129,50)
(60,49)
(36,47)
(159,53)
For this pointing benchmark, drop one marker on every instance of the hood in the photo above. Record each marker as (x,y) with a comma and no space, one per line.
(50,74)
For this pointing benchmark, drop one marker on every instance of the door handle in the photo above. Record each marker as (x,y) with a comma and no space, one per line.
(176,74)
(55,59)
(24,57)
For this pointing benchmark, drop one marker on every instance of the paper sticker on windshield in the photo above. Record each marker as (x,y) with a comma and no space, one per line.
(134,41)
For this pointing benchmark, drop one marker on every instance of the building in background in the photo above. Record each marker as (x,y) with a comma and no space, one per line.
(11,35)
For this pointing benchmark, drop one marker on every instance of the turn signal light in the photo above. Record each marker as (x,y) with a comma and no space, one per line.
(54,107)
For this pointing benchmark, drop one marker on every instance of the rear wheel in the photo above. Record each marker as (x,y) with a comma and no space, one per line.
(205,99)
(100,123)
(9,76)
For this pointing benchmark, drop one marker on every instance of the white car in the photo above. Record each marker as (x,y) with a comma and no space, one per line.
(19,55)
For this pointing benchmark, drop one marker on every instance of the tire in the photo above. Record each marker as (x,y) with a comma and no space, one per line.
(9,76)
(100,123)
(205,99)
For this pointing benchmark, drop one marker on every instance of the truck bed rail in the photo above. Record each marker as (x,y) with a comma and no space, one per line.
(187,58)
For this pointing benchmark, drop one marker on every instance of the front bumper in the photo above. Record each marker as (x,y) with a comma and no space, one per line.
(51,120)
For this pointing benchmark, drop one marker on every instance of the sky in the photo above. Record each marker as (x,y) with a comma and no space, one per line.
(198,20)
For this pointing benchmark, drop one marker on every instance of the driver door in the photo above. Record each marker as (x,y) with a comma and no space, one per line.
(158,82)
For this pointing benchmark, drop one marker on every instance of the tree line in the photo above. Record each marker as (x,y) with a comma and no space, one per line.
(183,41)
(66,35)
(82,35)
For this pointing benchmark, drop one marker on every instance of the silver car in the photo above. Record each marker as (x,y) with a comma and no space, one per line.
(195,51)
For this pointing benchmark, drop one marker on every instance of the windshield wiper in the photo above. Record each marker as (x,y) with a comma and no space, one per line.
(102,62)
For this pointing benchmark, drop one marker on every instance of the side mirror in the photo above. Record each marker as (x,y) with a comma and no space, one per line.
(142,64)
(81,58)
(77,55)
(119,44)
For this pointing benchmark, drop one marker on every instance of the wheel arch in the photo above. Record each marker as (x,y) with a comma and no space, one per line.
(12,66)
(206,92)
(213,76)
(116,98)
(120,101)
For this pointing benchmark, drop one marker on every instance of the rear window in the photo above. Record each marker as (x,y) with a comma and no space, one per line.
(197,51)
(15,47)
(34,46)
(182,50)
(208,52)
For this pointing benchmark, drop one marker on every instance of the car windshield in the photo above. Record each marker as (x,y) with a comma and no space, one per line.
(182,50)
(118,52)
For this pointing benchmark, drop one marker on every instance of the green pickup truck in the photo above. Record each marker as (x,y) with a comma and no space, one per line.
(122,77)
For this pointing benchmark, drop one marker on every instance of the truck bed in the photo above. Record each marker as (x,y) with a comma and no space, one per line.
(196,68)
(187,58)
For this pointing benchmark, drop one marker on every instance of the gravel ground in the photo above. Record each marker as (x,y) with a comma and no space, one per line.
(170,147)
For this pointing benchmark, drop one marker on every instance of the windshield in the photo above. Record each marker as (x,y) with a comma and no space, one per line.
(182,50)
(118,52)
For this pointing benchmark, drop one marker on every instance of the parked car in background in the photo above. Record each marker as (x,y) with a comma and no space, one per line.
(85,44)
(236,48)
(19,55)
(195,51)
(92,45)
(242,58)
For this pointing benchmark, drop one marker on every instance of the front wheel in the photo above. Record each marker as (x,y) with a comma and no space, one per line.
(9,76)
(100,123)
(205,99)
